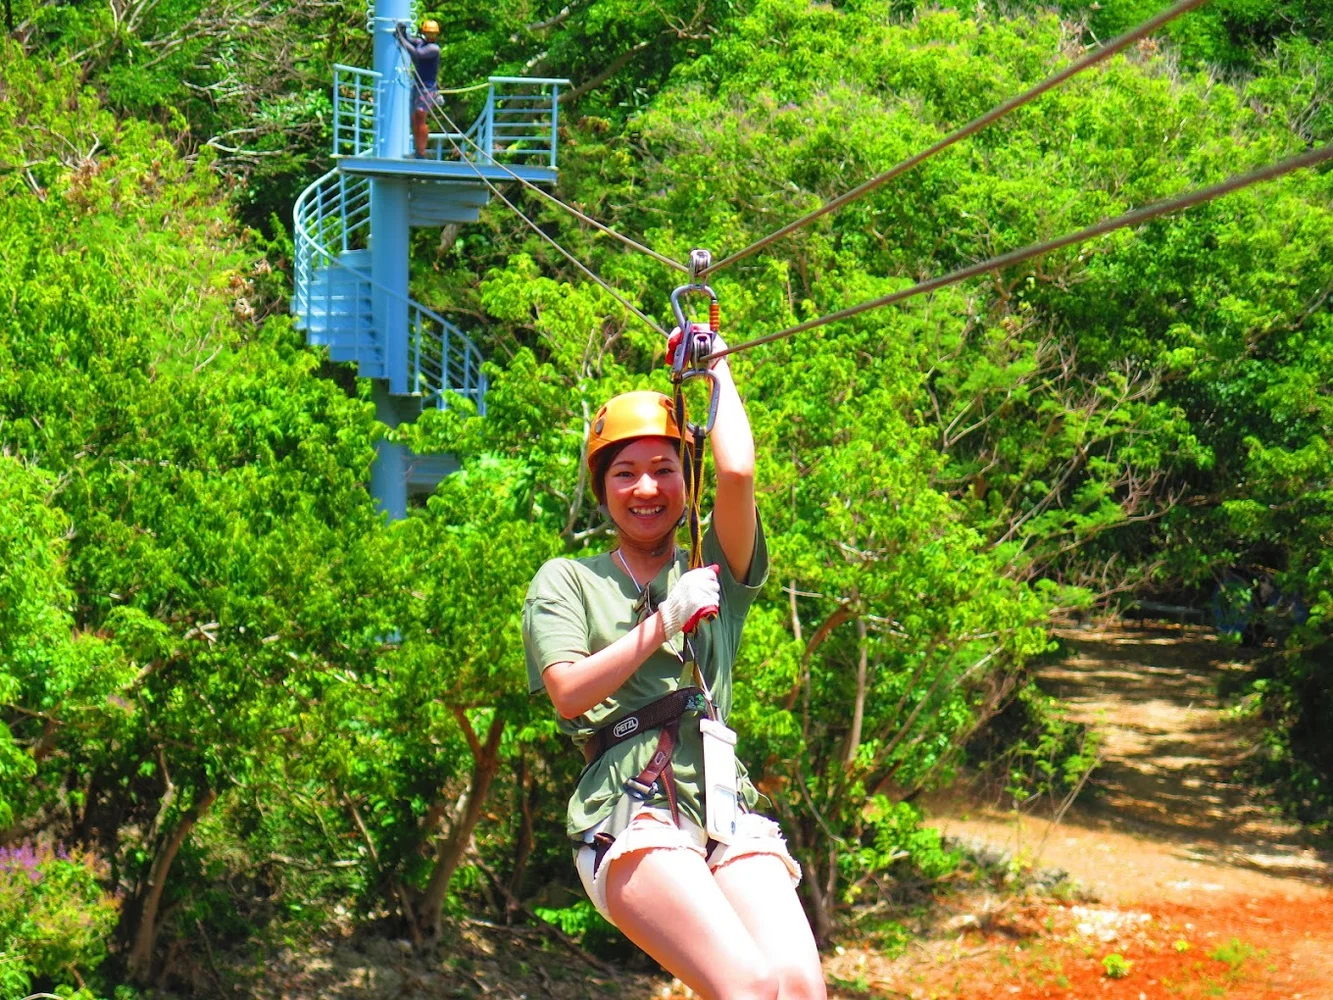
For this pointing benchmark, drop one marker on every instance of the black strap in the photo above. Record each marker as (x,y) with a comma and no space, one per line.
(652,716)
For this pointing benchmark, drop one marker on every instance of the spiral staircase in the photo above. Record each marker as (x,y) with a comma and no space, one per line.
(351,231)
(335,295)
(334,300)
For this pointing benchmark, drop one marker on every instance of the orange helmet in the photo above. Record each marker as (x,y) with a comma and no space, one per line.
(430,27)
(623,418)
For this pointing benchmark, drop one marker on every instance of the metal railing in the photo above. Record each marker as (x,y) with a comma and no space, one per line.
(354,93)
(442,359)
(334,211)
(519,123)
(521,119)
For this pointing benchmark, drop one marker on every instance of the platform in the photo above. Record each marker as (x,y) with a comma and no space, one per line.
(443,171)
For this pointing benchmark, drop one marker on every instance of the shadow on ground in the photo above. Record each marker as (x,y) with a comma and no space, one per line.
(1170,753)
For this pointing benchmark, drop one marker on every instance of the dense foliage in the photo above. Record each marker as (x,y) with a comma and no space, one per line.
(233,698)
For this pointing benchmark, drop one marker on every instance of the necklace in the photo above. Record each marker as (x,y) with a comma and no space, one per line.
(621,556)
(643,588)
(643,607)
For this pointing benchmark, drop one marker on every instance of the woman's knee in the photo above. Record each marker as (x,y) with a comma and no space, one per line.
(758,982)
(800,981)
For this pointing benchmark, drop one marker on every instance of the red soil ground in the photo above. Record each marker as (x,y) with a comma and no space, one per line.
(1200,889)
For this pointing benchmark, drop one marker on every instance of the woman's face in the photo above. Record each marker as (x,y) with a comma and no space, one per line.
(645,489)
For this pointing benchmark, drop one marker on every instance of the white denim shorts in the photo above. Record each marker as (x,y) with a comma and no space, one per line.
(652,829)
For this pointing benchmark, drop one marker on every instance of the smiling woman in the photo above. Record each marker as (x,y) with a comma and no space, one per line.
(646,494)
(663,838)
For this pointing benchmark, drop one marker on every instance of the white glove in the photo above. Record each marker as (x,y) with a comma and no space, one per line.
(695,596)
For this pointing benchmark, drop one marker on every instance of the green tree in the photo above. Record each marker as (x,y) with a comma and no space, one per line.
(221,530)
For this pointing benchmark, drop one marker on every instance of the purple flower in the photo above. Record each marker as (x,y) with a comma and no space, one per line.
(23,858)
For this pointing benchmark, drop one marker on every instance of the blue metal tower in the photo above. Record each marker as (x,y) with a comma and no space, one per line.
(352,226)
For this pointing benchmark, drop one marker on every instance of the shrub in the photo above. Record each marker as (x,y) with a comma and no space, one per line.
(55,916)
(1116,966)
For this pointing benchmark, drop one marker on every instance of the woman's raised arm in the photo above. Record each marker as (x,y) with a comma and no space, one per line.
(734,516)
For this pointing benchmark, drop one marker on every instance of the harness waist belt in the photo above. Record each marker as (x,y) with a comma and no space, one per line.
(663,714)
(654,715)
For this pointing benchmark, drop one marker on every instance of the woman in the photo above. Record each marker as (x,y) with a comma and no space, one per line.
(607,636)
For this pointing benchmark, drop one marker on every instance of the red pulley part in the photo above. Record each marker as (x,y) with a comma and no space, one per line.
(714,317)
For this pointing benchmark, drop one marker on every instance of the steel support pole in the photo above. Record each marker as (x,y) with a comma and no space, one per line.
(388,473)
(392,115)
(389,248)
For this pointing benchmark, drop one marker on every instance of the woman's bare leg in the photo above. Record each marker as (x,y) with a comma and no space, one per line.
(667,903)
(761,894)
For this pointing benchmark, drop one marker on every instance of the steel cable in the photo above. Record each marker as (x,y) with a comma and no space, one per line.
(972,127)
(1164,207)
(581,216)
(448,123)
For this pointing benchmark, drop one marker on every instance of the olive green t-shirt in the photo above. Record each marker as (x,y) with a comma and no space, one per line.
(576,607)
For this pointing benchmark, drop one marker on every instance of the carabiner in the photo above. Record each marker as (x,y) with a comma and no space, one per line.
(696,339)
(704,373)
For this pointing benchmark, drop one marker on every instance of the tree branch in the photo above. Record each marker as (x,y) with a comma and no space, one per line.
(612,68)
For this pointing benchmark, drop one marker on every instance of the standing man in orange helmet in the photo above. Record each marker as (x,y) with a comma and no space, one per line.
(425,53)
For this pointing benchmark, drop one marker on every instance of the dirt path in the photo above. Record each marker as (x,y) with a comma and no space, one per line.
(1168,817)
(1199,886)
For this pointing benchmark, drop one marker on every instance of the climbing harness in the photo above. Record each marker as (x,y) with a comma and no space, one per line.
(664,714)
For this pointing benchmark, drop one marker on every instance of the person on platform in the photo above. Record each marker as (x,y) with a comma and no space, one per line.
(425,53)
(610,638)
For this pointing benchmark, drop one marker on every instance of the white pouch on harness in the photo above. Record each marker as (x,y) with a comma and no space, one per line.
(721,795)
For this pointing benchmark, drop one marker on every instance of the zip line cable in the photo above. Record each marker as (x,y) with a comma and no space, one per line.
(448,123)
(1164,207)
(972,127)
(602,227)
(551,240)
